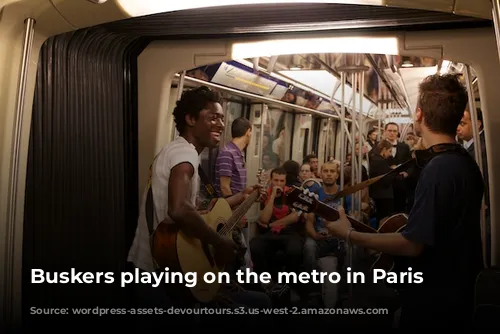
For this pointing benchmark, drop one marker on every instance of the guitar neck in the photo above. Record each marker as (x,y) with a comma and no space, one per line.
(331,214)
(240,212)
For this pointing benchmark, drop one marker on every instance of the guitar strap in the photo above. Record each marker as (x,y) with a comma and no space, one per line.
(206,182)
(422,158)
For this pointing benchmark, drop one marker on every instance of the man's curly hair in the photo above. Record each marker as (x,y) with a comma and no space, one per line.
(191,103)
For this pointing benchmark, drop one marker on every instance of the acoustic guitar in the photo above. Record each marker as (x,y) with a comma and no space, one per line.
(172,248)
(305,201)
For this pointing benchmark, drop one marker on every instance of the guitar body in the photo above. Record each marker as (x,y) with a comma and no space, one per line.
(394,224)
(172,248)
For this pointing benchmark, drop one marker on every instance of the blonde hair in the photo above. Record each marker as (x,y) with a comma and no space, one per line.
(335,163)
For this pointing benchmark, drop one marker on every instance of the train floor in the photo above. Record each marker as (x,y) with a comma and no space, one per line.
(352,300)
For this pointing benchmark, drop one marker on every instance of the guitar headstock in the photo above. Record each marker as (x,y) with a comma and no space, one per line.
(261,177)
(301,199)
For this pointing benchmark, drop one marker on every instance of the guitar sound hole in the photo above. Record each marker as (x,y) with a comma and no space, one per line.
(220,226)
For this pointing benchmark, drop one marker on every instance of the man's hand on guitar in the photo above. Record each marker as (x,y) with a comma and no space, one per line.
(243,222)
(249,190)
(340,227)
(321,236)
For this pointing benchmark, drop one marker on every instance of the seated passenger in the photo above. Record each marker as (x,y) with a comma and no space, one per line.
(312,160)
(307,174)
(365,199)
(292,169)
(318,243)
(278,230)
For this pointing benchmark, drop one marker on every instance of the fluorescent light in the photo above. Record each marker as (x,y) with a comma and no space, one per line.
(445,66)
(148,7)
(376,45)
(399,120)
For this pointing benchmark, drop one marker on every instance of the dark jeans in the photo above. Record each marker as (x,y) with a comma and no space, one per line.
(264,247)
(146,296)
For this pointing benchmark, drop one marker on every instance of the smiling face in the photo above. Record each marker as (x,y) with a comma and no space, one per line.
(208,127)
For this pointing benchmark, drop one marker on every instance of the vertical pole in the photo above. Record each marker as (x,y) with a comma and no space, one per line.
(353,168)
(342,132)
(328,139)
(263,118)
(496,21)
(353,140)
(477,149)
(9,304)
(360,139)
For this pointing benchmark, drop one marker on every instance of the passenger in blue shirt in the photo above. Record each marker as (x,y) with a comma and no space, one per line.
(318,243)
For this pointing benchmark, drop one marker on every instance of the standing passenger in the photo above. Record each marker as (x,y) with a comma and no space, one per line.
(231,173)
(400,153)
(174,187)
(443,237)
(382,191)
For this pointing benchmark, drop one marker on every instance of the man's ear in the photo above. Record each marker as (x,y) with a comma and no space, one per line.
(418,115)
(190,120)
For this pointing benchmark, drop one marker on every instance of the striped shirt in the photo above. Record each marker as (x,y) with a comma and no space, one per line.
(231,163)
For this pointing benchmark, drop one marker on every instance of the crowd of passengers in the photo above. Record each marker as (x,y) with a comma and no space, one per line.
(293,241)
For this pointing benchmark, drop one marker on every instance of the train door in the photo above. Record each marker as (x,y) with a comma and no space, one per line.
(278,131)
(331,141)
(302,143)
(323,140)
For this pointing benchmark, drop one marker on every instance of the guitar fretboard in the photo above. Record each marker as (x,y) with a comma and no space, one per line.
(239,213)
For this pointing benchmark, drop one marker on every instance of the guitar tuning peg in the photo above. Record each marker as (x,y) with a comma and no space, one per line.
(305,191)
(316,196)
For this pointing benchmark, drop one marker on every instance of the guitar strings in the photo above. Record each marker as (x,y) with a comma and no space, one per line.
(238,214)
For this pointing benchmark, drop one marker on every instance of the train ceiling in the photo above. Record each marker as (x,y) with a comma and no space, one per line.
(312,80)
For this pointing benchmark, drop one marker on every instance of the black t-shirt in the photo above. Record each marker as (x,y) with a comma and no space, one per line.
(446,219)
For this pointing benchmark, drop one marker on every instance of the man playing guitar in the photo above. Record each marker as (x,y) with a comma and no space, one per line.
(175,184)
(442,238)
